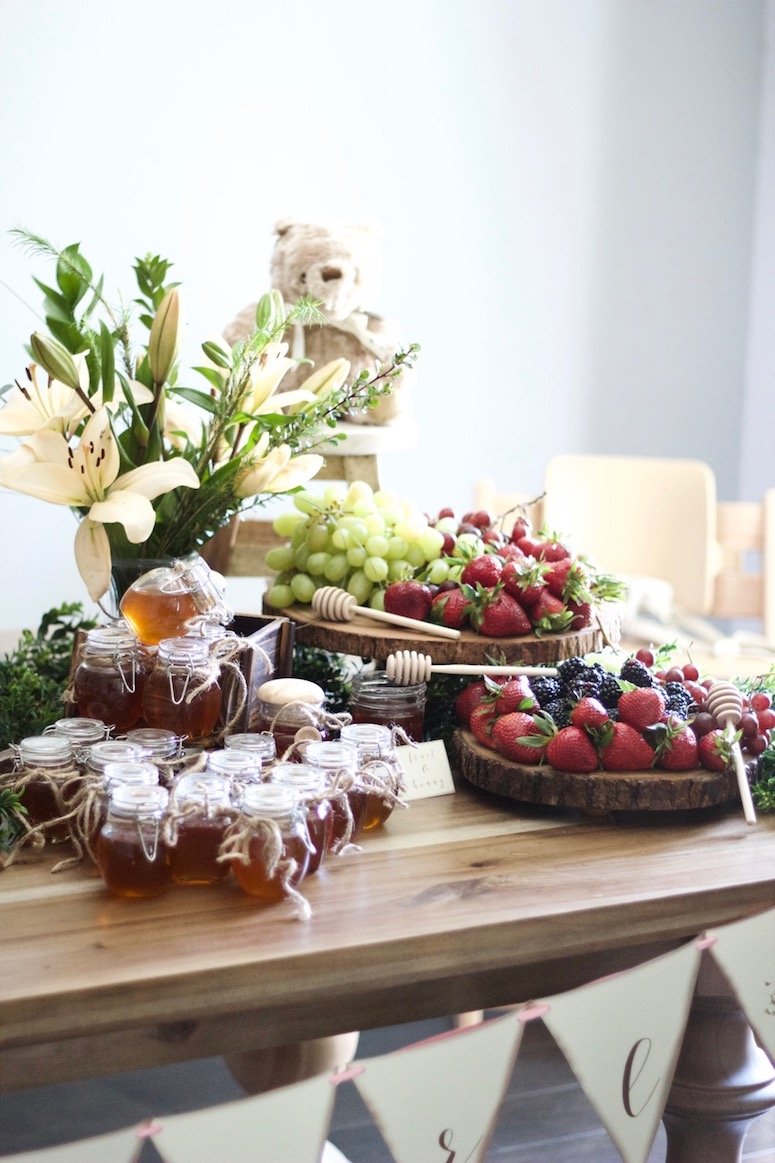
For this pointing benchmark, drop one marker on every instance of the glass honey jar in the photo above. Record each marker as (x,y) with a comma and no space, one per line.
(375,699)
(131,853)
(374,796)
(110,676)
(339,763)
(162,602)
(115,774)
(277,846)
(290,708)
(259,745)
(99,755)
(309,783)
(156,742)
(201,803)
(44,767)
(182,693)
(238,767)
(81,732)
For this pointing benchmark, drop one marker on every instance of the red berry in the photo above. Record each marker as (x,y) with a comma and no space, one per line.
(756,745)
(674,674)
(691,672)
(748,726)
(646,656)
(445,513)
(761,701)
(702,723)
(766,719)
(697,691)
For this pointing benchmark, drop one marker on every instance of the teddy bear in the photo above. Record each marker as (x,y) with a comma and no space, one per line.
(340,267)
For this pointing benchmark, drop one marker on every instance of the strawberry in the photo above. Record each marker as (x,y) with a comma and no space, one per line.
(549,614)
(582,615)
(589,713)
(557,576)
(514,736)
(410,599)
(451,608)
(498,615)
(571,749)
(520,528)
(470,697)
(642,707)
(623,748)
(714,750)
(481,723)
(531,545)
(513,694)
(554,550)
(484,570)
(524,580)
(676,745)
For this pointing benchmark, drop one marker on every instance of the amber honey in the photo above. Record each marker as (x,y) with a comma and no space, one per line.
(110,676)
(46,763)
(285,706)
(278,807)
(155,613)
(253,877)
(202,799)
(184,667)
(375,699)
(318,810)
(369,808)
(131,854)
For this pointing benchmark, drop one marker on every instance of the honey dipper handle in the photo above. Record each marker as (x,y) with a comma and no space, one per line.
(408,623)
(742,782)
(464,668)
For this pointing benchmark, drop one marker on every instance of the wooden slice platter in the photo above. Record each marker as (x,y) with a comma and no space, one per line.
(596,793)
(378,639)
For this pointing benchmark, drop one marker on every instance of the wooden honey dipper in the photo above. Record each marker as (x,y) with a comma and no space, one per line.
(725,703)
(336,605)
(407,667)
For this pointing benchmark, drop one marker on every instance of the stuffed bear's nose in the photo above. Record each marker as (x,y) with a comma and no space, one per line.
(328,274)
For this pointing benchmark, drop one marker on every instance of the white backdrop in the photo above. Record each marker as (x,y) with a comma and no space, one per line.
(568,191)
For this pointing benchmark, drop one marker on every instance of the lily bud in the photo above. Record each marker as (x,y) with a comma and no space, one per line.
(164,342)
(328,378)
(270,311)
(216,354)
(55,359)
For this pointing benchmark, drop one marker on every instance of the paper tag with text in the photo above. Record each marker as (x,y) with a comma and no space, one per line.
(426,768)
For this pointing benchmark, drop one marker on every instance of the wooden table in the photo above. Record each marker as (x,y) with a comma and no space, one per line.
(460,902)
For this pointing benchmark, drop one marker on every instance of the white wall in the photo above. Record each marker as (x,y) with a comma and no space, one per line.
(566,189)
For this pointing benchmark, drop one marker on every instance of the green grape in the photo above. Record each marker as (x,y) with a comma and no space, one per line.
(377,600)
(299,534)
(340,538)
(397,547)
(410,527)
(454,572)
(430,541)
(306,502)
(334,495)
(438,571)
(375,568)
(356,556)
(468,545)
(285,523)
(386,498)
(280,596)
(303,587)
(317,562)
(375,524)
(360,587)
(317,535)
(415,555)
(377,545)
(301,557)
(356,528)
(399,569)
(359,493)
(337,568)
(279,558)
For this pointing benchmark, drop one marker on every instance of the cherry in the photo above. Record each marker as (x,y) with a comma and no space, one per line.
(691,672)
(674,674)
(766,719)
(445,513)
(707,683)
(697,691)
(761,701)
(660,674)
(702,723)
(748,726)
(646,656)
(447,545)
(758,744)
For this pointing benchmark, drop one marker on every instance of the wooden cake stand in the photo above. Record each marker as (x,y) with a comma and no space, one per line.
(596,793)
(377,640)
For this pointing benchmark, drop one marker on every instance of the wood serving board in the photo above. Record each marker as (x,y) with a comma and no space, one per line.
(596,793)
(377,640)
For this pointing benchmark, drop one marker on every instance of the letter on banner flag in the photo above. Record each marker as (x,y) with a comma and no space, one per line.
(437,1102)
(621,1036)
(290,1123)
(119,1147)
(745,953)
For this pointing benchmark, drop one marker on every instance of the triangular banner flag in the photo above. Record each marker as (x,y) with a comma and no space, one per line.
(745,953)
(119,1146)
(622,1036)
(439,1099)
(290,1123)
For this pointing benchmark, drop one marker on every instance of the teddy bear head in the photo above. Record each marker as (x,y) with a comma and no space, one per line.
(337,265)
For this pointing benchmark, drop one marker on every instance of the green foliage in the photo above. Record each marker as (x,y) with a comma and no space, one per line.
(33,677)
(763,790)
(329,671)
(11,811)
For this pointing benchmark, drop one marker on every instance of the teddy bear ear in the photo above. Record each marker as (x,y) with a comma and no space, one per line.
(283,225)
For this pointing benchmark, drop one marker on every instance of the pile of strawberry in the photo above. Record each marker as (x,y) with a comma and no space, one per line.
(505,586)
(587,718)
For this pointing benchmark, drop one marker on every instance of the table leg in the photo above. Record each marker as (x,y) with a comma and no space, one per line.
(723,1080)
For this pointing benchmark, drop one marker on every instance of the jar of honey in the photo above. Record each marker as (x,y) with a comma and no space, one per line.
(99,755)
(375,699)
(309,783)
(81,732)
(114,774)
(161,602)
(277,845)
(131,853)
(339,763)
(379,773)
(109,678)
(290,708)
(237,767)
(259,745)
(201,803)
(156,742)
(182,692)
(44,767)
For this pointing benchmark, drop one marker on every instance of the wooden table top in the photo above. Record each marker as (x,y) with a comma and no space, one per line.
(460,902)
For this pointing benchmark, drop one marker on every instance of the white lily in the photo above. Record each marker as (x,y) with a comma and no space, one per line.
(87,477)
(32,405)
(276,471)
(264,379)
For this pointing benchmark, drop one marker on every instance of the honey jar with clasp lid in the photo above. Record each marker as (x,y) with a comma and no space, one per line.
(200,814)
(276,845)
(182,693)
(131,853)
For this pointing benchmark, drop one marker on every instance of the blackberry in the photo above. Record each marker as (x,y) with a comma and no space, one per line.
(545,688)
(677,698)
(583,688)
(635,672)
(610,691)
(560,710)
(571,669)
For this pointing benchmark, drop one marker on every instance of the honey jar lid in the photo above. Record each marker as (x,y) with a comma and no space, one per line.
(280,691)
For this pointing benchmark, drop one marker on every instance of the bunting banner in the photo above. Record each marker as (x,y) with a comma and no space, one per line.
(745,953)
(290,1123)
(621,1036)
(438,1100)
(119,1146)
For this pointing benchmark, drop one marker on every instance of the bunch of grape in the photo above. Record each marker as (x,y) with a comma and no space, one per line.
(351,537)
